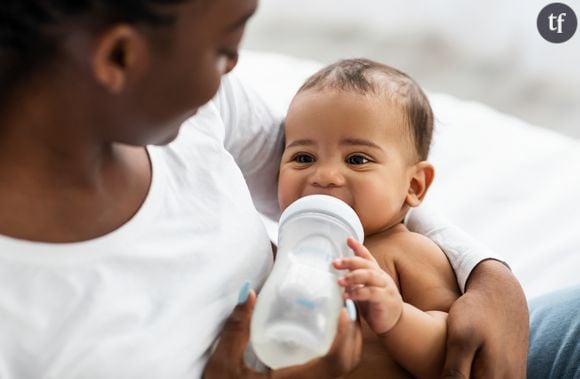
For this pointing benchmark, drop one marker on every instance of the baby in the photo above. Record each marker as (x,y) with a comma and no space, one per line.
(360,131)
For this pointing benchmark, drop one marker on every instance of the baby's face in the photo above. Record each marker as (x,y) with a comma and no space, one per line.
(349,146)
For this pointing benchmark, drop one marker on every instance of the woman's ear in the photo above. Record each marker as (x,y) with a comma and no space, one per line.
(120,54)
(422,176)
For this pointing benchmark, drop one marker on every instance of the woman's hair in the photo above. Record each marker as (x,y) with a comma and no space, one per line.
(364,76)
(29,28)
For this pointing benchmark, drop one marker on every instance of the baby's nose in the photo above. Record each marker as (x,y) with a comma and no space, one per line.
(328,176)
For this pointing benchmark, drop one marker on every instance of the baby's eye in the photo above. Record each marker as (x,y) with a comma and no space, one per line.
(357,160)
(303,158)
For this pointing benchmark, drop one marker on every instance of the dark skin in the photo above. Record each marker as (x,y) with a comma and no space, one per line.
(80,161)
(478,346)
(227,360)
(47,193)
(60,168)
(73,166)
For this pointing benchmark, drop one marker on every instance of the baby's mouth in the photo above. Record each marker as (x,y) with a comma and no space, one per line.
(330,193)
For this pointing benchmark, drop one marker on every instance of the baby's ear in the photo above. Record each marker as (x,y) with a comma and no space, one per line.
(422,175)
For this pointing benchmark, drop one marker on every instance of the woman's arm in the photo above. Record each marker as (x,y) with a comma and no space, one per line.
(488,326)
(463,251)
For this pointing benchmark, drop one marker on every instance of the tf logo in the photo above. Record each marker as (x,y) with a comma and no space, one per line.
(557,22)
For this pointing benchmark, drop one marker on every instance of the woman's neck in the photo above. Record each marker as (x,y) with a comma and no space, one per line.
(56,173)
(43,135)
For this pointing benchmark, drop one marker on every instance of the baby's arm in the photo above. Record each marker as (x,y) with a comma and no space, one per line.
(413,331)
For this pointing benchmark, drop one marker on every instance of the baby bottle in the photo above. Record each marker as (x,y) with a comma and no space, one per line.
(295,317)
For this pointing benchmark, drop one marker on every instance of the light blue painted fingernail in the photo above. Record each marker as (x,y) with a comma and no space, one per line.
(244,292)
(350,309)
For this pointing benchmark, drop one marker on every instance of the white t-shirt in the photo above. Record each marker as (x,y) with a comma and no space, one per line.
(148,299)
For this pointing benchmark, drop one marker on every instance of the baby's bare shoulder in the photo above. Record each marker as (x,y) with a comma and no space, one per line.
(424,275)
(401,243)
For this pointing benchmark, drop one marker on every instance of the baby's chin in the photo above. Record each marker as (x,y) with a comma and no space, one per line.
(375,228)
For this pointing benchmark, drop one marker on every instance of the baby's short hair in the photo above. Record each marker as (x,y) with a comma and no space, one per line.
(365,77)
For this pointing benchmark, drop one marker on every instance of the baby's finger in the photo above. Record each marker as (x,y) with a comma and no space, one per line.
(365,294)
(359,249)
(374,294)
(367,278)
(354,263)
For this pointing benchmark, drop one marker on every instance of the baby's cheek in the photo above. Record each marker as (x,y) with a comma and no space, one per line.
(374,213)
(288,189)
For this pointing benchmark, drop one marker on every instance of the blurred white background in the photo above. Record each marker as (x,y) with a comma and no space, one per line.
(489,51)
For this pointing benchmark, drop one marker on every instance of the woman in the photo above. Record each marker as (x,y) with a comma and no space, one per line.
(120,260)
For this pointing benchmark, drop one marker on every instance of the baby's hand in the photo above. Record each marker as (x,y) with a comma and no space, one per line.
(375,291)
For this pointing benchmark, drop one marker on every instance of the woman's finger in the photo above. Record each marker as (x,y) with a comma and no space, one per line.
(228,355)
(458,362)
(463,341)
(345,352)
(342,358)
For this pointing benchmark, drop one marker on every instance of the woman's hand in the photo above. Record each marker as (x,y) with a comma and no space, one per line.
(227,360)
(375,291)
(488,327)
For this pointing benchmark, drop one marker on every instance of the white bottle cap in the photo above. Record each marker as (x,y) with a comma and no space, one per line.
(327,205)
